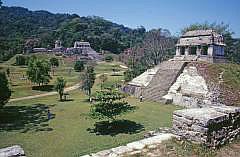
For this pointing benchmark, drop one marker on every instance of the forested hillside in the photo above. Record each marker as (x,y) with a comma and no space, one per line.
(18,24)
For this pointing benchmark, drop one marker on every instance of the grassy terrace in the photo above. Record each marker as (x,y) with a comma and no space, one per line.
(22,87)
(71,132)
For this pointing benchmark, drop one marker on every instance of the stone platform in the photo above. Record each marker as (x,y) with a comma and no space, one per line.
(212,126)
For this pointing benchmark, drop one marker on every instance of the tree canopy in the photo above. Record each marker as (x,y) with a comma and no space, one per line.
(79,66)
(38,71)
(88,79)
(5,91)
(59,86)
(109,105)
(54,62)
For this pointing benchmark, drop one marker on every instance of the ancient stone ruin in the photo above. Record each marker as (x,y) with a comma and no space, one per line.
(190,90)
(207,120)
(212,126)
(200,45)
(154,83)
(13,151)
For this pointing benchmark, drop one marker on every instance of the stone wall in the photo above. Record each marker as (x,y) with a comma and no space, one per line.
(13,151)
(134,148)
(212,126)
(190,90)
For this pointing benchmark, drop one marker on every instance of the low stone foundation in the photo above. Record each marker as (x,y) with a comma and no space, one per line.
(212,126)
(134,148)
(14,151)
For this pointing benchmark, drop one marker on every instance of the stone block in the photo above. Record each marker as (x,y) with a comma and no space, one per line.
(121,150)
(15,151)
(136,145)
(212,126)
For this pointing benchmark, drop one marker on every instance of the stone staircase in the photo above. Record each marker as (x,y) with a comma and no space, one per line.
(163,80)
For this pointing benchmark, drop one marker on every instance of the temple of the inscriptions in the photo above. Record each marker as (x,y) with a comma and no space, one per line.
(200,45)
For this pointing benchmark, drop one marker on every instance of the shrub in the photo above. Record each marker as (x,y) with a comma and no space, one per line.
(108,58)
(79,66)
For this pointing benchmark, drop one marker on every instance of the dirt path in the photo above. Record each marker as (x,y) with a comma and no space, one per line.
(76,86)
(68,89)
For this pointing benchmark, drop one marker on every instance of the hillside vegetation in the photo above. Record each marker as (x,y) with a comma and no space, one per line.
(17,25)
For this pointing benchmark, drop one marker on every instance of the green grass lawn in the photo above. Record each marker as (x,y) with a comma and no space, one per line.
(71,131)
(21,87)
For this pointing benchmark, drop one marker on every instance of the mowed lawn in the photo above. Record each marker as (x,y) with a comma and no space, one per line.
(71,132)
(22,87)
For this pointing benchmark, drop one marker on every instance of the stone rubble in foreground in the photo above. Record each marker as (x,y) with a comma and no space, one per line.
(212,126)
(13,151)
(134,147)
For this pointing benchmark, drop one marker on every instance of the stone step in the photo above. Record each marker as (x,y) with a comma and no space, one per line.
(165,77)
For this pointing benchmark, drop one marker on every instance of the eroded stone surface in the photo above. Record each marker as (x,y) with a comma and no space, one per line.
(133,148)
(189,90)
(15,151)
(212,126)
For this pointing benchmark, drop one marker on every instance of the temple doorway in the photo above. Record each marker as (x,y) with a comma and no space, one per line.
(193,50)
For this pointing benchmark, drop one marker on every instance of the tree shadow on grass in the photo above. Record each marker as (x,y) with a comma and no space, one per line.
(25,118)
(45,88)
(116,127)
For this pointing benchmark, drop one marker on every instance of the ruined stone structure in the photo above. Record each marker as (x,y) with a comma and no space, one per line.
(154,83)
(58,44)
(212,126)
(200,45)
(83,51)
(13,151)
(190,90)
(81,44)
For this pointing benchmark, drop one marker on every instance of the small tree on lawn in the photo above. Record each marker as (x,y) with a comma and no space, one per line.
(79,66)
(59,86)
(5,92)
(109,105)
(88,79)
(54,62)
(103,78)
(38,71)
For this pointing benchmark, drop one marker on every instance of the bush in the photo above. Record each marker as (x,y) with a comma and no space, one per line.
(79,66)
(54,62)
(108,58)
(22,60)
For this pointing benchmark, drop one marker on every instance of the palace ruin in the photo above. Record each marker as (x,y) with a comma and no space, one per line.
(200,45)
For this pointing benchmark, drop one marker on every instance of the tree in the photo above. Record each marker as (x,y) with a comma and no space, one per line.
(8,72)
(109,105)
(5,92)
(103,78)
(157,45)
(59,86)
(88,79)
(54,62)
(108,58)
(38,71)
(21,60)
(79,66)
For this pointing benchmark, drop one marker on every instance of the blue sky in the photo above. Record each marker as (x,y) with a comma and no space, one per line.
(171,14)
